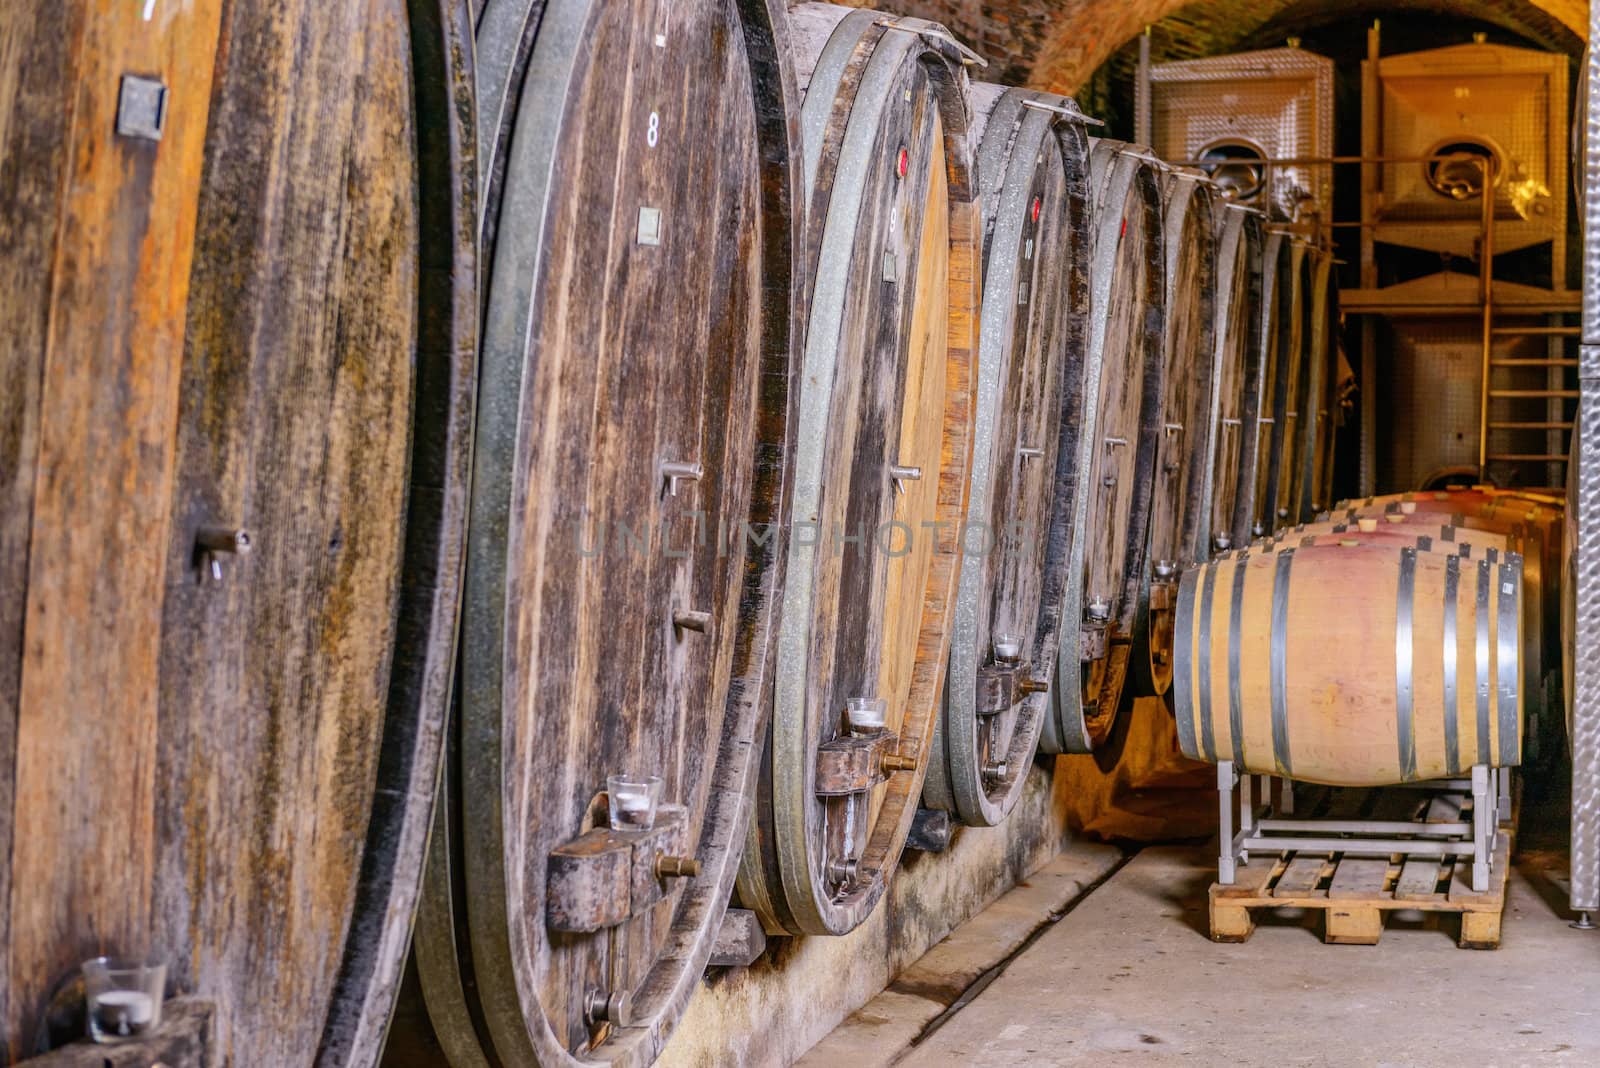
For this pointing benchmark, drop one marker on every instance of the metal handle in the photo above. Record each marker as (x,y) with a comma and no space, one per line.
(1075,116)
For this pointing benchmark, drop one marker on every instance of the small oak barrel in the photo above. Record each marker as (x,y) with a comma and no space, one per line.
(1426,680)
(1118,441)
(880,468)
(1231,450)
(626,524)
(1285,387)
(239,304)
(1180,507)
(1034,163)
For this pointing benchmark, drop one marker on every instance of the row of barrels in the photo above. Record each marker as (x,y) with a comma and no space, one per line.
(484,401)
(1446,608)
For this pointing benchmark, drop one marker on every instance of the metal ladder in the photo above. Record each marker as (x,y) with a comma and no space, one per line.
(1525,436)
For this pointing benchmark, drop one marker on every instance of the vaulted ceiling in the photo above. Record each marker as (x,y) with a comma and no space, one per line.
(1058,44)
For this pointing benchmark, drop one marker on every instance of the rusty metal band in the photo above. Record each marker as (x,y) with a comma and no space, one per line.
(1280,663)
(1405,726)
(1241,565)
(1481,659)
(1508,636)
(1183,666)
(1208,732)
(1452,740)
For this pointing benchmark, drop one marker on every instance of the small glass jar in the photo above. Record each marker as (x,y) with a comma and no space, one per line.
(124,997)
(1008,648)
(866,714)
(631,801)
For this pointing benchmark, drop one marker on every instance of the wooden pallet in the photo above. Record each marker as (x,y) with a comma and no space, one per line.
(1356,894)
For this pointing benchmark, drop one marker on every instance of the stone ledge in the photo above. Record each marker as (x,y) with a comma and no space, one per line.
(880,1031)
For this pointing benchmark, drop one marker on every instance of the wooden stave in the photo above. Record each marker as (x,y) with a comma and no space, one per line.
(1500,638)
(1122,173)
(778,879)
(1181,501)
(235,330)
(1012,136)
(451,941)
(1241,247)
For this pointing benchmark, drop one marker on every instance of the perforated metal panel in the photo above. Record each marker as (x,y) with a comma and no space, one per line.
(1280,101)
(1510,103)
(1585,887)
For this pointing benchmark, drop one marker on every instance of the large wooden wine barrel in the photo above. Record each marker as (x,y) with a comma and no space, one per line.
(1317,400)
(1425,686)
(1034,162)
(1287,388)
(1118,445)
(883,448)
(625,550)
(1240,247)
(1180,507)
(238,296)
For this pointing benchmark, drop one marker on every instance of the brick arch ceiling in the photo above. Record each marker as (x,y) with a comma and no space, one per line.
(1058,44)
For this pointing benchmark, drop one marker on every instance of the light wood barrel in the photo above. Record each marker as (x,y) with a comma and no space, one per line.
(627,507)
(239,298)
(1426,683)
(1034,162)
(1180,504)
(1120,438)
(882,457)
(1238,367)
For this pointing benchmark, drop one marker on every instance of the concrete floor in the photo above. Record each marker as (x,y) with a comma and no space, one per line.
(1130,976)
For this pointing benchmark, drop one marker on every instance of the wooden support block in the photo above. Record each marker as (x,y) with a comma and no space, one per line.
(930,831)
(1480,930)
(587,883)
(739,942)
(1350,925)
(1230,923)
(604,877)
(186,1039)
(852,763)
(997,687)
